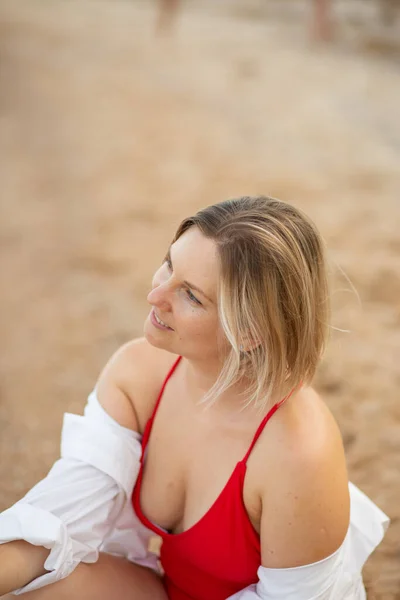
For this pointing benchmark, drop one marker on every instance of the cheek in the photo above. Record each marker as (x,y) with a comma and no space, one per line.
(196,321)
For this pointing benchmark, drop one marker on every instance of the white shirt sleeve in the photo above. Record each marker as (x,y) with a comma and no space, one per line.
(84,503)
(337,577)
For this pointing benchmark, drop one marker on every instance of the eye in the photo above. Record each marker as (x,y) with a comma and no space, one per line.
(169,263)
(192,298)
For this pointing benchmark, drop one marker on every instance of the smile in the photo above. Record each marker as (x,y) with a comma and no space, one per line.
(159,321)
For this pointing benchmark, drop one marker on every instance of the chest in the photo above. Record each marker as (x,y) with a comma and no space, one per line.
(189,459)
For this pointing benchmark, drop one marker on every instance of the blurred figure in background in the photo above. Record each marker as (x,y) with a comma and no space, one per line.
(167,12)
(390,10)
(322,23)
(322,28)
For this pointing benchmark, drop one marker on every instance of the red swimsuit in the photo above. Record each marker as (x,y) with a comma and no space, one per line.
(220,554)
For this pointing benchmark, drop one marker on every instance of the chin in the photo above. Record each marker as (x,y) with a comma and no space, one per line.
(147,333)
(153,340)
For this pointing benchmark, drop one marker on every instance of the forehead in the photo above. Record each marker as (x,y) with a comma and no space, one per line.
(195,259)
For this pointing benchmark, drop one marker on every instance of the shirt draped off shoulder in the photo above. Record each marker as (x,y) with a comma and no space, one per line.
(83,506)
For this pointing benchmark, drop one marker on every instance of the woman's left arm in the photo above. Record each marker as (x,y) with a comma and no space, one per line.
(305,503)
(310,546)
(337,577)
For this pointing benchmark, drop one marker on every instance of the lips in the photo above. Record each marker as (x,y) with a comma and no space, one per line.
(161,322)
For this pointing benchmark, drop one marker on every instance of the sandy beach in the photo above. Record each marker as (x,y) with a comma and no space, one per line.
(110,134)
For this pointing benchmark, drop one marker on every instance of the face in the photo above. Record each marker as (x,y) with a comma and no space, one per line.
(184,298)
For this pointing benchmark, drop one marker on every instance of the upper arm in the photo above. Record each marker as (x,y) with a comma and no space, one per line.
(127,387)
(305,501)
(117,380)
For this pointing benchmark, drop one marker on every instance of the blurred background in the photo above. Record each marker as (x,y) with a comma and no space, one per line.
(119,118)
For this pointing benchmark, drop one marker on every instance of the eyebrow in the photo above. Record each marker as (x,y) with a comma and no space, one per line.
(190,285)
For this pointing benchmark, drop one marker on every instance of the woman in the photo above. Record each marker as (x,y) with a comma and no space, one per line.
(207,434)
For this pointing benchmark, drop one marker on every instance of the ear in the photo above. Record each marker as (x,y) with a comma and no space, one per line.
(248,344)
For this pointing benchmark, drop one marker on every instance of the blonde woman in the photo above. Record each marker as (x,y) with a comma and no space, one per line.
(206,433)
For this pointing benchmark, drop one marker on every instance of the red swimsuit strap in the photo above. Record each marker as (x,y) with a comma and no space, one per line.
(265,420)
(149,423)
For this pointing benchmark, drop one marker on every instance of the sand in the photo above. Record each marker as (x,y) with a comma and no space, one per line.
(109,135)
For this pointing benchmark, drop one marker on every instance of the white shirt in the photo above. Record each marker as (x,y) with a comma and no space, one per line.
(84,507)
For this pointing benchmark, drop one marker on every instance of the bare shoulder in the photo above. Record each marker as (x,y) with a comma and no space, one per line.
(130,382)
(304,495)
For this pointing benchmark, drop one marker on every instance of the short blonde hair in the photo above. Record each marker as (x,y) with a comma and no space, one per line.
(273,298)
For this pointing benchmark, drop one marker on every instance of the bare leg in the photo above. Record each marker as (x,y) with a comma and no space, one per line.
(322,20)
(110,578)
(168,10)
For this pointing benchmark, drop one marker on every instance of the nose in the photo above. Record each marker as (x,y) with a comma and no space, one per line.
(159,296)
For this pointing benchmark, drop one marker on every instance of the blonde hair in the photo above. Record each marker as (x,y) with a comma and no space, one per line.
(273,299)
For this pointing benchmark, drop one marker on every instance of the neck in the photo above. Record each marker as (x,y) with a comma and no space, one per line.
(200,375)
